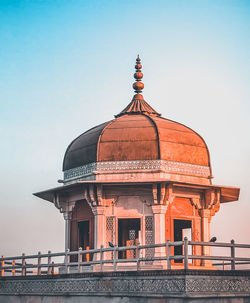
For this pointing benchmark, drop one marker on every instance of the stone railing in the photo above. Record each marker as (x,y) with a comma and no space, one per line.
(134,258)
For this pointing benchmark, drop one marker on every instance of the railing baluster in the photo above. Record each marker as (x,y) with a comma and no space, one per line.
(232,255)
(39,262)
(87,255)
(13,268)
(2,267)
(114,258)
(53,268)
(138,256)
(79,260)
(168,254)
(185,253)
(101,258)
(67,260)
(23,265)
(49,271)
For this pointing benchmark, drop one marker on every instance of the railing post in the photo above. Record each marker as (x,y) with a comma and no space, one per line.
(101,257)
(114,258)
(39,262)
(138,256)
(168,254)
(2,267)
(13,268)
(53,269)
(23,265)
(67,259)
(79,260)
(185,253)
(232,255)
(87,255)
(49,271)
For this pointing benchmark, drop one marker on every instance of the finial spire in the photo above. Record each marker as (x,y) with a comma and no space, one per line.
(138,75)
(138,105)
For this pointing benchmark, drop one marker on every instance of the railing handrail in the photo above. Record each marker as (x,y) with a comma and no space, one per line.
(90,251)
(219,244)
(9,264)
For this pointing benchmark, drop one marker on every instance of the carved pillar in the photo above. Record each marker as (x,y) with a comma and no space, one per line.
(67,217)
(205,234)
(159,212)
(100,232)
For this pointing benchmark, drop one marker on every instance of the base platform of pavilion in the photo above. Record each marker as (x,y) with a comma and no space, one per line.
(171,286)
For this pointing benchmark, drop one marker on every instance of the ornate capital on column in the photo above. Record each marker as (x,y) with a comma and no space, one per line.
(67,215)
(98,210)
(67,207)
(159,209)
(205,213)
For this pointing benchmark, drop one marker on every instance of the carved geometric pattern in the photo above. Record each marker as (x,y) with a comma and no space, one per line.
(132,234)
(149,237)
(80,286)
(80,171)
(110,234)
(218,285)
(164,165)
(128,284)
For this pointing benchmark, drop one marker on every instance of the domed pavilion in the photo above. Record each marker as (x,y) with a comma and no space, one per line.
(139,178)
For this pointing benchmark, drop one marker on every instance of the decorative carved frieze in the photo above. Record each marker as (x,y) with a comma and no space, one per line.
(162,165)
(139,284)
(80,171)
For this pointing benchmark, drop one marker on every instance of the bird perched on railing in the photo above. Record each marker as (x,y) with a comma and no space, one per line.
(213,239)
(111,244)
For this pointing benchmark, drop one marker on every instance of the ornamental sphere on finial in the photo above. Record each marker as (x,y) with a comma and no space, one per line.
(138,66)
(138,75)
(138,86)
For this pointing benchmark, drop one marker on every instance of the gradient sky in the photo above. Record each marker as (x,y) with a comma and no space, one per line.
(68,65)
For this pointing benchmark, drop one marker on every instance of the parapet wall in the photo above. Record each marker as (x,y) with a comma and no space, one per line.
(145,286)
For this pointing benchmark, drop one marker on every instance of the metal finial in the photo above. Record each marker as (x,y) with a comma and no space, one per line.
(138,75)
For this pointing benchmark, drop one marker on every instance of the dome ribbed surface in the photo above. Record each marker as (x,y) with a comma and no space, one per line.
(138,105)
(137,136)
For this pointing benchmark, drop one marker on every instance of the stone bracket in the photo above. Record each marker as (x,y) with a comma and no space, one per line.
(93,193)
(162,193)
(63,206)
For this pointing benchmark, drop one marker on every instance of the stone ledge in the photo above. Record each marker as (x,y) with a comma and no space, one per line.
(178,284)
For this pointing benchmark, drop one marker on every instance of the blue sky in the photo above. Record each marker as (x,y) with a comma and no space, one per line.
(67,66)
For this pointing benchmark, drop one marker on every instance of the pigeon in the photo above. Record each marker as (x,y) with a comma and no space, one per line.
(213,239)
(111,244)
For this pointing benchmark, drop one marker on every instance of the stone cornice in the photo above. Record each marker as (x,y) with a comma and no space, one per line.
(133,166)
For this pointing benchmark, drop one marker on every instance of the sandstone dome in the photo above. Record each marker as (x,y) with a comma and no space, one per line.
(138,134)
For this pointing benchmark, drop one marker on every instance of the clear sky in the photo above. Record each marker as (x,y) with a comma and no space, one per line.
(68,65)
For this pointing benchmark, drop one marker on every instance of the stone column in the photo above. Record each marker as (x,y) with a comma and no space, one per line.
(100,232)
(67,217)
(159,212)
(205,235)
